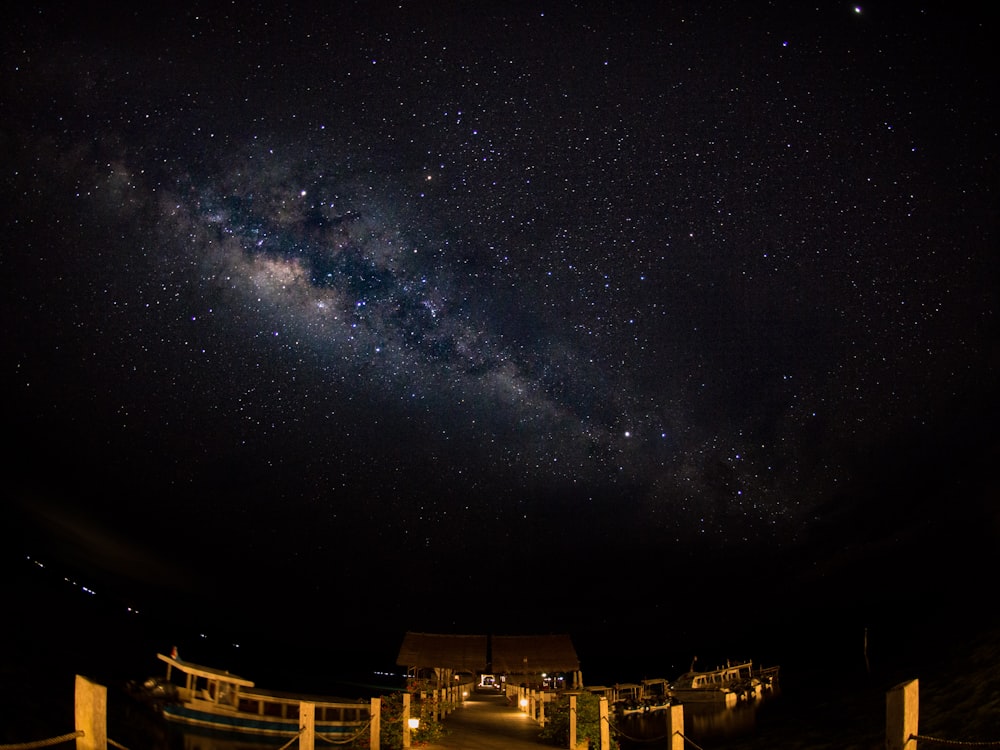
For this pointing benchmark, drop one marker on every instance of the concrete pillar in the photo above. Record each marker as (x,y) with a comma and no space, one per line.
(605,725)
(91,707)
(406,719)
(307,725)
(375,738)
(902,712)
(675,728)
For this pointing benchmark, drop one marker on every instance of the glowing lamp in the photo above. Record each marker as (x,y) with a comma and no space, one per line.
(413,723)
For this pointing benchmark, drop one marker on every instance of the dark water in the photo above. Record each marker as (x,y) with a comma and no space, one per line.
(705,724)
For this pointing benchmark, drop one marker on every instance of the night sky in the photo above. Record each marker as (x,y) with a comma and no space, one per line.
(507,317)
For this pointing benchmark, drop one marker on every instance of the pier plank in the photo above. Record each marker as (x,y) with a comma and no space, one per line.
(488,722)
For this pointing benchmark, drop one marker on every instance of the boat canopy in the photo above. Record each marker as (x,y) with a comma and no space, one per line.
(208,672)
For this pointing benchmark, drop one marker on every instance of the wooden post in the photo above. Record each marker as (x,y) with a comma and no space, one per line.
(572,722)
(902,712)
(541,711)
(91,707)
(675,728)
(406,719)
(374,739)
(605,725)
(307,725)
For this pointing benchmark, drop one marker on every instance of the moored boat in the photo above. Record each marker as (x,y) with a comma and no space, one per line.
(215,699)
(727,685)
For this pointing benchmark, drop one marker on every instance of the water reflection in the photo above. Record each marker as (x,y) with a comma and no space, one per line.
(704,723)
(193,739)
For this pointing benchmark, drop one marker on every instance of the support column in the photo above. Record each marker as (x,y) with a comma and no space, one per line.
(675,728)
(902,713)
(307,725)
(406,719)
(91,708)
(605,725)
(375,728)
(572,722)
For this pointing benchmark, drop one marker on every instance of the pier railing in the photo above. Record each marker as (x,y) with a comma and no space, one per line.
(901,725)
(901,722)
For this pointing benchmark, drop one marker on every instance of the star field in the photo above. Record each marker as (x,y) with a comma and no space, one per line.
(391,286)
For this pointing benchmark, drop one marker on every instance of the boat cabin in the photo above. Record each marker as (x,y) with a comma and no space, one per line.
(718,679)
(205,683)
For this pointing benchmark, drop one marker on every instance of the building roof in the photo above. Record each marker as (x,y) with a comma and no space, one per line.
(460,653)
(534,654)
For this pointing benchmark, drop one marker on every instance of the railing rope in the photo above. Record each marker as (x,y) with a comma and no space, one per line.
(346,740)
(958,743)
(691,742)
(294,738)
(43,743)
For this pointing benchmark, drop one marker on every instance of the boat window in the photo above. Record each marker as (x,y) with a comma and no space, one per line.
(205,688)
(272,709)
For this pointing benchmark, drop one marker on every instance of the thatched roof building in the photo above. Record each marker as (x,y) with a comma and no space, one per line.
(459,653)
(499,654)
(533,654)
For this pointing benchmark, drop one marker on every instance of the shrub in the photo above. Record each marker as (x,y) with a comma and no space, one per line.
(588,721)
(391,721)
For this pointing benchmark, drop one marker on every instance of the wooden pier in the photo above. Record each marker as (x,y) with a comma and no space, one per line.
(488,722)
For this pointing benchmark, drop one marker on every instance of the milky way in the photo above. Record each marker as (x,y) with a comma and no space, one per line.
(327,261)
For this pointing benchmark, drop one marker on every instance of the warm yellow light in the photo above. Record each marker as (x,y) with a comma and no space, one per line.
(465,693)
(413,723)
(524,702)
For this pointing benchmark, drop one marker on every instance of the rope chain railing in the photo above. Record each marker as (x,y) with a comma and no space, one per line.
(955,743)
(118,745)
(294,738)
(346,740)
(619,732)
(43,743)
(691,742)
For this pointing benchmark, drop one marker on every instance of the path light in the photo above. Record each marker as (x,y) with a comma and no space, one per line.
(524,702)
(413,723)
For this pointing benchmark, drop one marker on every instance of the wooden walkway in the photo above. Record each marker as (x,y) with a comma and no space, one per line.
(488,722)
